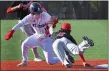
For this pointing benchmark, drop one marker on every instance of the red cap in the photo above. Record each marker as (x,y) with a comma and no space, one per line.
(66,26)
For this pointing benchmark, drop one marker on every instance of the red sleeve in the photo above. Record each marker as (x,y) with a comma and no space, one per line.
(82,57)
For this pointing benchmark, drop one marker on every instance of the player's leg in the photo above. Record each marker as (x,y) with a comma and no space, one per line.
(48,51)
(28,31)
(86,43)
(59,49)
(68,46)
(37,57)
(31,41)
(76,49)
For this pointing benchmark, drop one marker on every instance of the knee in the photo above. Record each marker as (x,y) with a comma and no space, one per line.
(57,44)
(49,62)
(24,45)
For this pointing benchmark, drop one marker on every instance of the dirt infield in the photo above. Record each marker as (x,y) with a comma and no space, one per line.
(39,66)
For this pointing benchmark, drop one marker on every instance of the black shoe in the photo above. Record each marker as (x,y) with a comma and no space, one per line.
(70,57)
(69,66)
(90,42)
(85,38)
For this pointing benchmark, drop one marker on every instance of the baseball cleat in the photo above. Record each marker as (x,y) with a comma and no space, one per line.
(22,64)
(68,66)
(85,38)
(90,42)
(38,59)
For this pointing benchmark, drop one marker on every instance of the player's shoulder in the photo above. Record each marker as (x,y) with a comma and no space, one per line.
(45,14)
(28,17)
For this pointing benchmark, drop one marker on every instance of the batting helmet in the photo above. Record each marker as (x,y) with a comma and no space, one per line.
(66,26)
(35,8)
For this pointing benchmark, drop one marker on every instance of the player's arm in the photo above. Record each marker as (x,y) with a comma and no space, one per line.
(15,8)
(43,8)
(52,23)
(16,27)
(84,61)
(49,23)
(26,6)
(82,58)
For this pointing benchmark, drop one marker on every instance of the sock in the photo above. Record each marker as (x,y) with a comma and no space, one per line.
(82,57)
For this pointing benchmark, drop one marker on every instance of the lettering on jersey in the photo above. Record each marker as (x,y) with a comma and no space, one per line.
(39,26)
(34,25)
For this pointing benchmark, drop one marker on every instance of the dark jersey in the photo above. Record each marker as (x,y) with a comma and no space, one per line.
(21,13)
(60,34)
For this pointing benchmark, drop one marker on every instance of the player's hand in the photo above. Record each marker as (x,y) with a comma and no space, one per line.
(55,19)
(86,65)
(9,34)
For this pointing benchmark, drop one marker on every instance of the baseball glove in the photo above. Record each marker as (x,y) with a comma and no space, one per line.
(53,21)
(9,35)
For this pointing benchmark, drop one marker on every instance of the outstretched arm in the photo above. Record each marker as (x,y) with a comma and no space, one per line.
(84,61)
(16,27)
(12,9)
(82,58)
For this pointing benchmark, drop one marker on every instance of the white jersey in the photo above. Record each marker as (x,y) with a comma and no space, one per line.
(40,25)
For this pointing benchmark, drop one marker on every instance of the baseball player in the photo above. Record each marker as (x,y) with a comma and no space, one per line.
(39,21)
(64,45)
(21,7)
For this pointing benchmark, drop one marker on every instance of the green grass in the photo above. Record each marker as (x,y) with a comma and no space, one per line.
(97,30)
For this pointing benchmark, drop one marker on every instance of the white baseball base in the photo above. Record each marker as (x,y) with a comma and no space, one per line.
(102,66)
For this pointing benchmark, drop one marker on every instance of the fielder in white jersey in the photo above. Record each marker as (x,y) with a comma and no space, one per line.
(39,21)
(21,8)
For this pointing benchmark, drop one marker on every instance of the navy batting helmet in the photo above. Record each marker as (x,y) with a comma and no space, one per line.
(35,8)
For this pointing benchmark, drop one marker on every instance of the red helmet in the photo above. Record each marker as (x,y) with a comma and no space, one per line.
(66,26)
